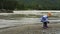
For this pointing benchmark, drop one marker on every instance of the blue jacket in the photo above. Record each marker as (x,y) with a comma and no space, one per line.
(44,19)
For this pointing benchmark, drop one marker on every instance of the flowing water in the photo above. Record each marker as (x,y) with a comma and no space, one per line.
(10,23)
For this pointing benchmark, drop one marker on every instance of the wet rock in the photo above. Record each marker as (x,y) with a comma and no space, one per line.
(6,11)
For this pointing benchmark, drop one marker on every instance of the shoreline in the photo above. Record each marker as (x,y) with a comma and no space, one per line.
(30,28)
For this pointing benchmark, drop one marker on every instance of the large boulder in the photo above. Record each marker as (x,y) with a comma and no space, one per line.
(9,11)
(6,11)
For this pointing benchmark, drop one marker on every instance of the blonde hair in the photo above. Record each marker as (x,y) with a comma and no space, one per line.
(49,14)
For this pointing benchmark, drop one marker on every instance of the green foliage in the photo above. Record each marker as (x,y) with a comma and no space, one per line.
(40,4)
(30,4)
(8,4)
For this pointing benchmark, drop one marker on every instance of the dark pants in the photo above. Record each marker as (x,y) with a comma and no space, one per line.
(45,25)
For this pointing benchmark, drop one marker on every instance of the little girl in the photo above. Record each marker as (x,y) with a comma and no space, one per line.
(44,19)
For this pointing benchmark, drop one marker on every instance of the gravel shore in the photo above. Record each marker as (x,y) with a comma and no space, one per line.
(32,29)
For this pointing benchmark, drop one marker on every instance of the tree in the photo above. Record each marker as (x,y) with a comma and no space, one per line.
(8,4)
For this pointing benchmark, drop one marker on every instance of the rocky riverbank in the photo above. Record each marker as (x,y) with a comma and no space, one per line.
(32,29)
